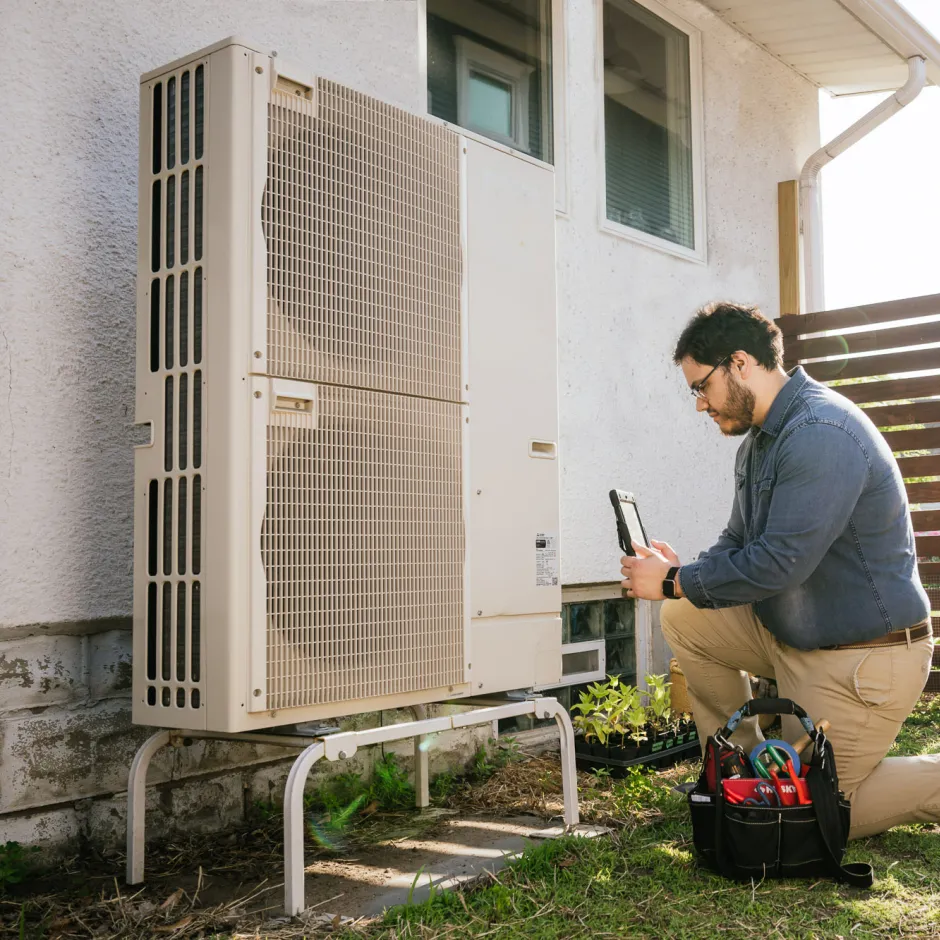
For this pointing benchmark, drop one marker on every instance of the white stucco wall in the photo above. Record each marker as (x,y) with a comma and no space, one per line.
(68,174)
(68,152)
(627,419)
(68,171)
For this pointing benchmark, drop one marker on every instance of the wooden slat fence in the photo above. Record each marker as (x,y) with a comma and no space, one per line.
(869,354)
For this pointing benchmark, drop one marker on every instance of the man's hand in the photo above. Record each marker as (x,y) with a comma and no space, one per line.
(667,551)
(643,575)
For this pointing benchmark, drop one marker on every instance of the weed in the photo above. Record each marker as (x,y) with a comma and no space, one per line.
(492,756)
(636,791)
(265,810)
(390,786)
(335,805)
(442,786)
(14,863)
(432,888)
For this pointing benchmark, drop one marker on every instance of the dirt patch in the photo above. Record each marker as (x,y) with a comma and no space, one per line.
(230,884)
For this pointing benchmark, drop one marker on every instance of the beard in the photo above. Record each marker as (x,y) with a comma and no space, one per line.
(737,415)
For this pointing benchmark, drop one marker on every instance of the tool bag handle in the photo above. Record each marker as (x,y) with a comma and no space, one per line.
(768,706)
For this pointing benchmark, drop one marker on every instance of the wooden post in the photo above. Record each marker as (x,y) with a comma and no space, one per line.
(788,229)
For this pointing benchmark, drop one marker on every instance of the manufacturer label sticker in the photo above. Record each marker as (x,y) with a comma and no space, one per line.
(546,560)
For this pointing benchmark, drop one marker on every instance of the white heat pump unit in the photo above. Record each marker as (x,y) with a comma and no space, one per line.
(347,354)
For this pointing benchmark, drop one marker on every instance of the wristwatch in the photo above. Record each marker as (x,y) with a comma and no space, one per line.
(671,583)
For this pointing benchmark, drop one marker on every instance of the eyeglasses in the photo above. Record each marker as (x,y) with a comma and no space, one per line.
(698,389)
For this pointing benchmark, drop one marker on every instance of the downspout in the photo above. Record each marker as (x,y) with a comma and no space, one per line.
(810,209)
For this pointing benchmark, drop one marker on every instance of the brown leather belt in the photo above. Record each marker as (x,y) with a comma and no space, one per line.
(897,638)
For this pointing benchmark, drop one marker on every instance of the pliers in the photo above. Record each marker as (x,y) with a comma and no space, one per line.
(785,764)
(764,791)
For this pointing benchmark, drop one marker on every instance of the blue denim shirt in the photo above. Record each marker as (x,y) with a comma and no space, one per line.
(820,537)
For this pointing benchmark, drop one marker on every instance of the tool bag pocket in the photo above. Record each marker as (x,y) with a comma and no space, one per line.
(751,841)
(760,841)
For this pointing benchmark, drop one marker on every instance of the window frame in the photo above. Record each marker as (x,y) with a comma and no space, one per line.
(559,96)
(698,253)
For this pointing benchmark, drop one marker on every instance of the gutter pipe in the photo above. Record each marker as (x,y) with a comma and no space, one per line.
(810,208)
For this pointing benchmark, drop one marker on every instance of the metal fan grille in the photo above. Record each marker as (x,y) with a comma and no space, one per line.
(363,548)
(361,220)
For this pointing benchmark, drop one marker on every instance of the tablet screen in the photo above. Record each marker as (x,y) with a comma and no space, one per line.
(632,519)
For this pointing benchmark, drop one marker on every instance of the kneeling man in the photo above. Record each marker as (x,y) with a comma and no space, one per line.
(814,580)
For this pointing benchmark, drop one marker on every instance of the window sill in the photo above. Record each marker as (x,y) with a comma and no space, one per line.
(696,256)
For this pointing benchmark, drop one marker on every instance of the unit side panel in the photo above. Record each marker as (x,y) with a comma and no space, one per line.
(513,512)
(235,249)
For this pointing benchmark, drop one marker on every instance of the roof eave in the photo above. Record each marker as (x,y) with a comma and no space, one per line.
(898,29)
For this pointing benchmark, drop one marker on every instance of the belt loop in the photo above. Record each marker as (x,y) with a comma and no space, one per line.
(907,633)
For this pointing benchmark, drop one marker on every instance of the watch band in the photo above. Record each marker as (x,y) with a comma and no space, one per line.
(670,583)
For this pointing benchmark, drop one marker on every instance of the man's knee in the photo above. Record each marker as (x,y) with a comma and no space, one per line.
(673,616)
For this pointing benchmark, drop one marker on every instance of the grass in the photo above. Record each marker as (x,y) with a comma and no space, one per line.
(643,881)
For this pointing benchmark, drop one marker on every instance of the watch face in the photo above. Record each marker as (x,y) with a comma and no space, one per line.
(669,589)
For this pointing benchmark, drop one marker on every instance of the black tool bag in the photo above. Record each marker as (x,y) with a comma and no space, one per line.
(748,841)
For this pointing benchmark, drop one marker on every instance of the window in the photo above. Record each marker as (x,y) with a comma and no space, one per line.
(652,127)
(489,68)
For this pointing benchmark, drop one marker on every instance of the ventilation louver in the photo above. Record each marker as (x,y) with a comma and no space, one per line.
(174,518)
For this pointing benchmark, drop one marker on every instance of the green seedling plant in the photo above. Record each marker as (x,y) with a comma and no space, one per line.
(600,711)
(614,710)
(635,715)
(659,695)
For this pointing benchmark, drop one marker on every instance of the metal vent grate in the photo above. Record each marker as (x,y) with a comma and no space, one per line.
(361,219)
(363,548)
(174,501)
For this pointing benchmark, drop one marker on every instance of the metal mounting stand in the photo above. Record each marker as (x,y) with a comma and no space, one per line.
(340,747)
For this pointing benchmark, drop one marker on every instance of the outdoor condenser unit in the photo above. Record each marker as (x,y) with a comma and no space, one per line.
(346,353)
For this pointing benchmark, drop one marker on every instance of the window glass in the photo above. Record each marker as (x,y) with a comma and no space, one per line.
(489,69)
(647,123)
(490,105)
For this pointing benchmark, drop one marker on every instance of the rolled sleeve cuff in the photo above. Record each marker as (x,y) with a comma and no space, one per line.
(691,582)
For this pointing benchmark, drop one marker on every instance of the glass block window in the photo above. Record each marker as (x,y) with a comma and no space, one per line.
(648,123)
(583,622)
(612,620)
(490,70)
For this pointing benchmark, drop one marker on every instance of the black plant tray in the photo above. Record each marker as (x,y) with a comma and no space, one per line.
(662,753)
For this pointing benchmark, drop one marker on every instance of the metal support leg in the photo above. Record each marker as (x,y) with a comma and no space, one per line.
(422,745)
(339,747)
(137,805)
(294,828)
(569,776)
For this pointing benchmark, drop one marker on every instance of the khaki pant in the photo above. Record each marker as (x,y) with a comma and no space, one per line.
(865,693)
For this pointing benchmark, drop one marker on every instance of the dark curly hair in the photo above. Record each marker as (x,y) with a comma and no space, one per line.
(719,329)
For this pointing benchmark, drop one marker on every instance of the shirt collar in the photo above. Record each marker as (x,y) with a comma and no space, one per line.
(777,412)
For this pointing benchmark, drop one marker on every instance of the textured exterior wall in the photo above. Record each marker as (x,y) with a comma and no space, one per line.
(68,151)
(68,172)
(627,419)
(68,169)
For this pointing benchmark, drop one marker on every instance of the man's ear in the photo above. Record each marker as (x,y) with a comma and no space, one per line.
(741,363)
